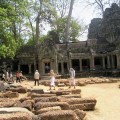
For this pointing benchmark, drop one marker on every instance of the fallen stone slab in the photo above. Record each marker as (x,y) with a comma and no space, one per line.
(39,105)
(9,94)
(6,102)
(15,85)
(77,106)
(80,113)
(76,91)
(15,113)
(61,85)
(59,115)
(47,109)
(4,86)
(72,96)
(33,95)
(38,91)
(19,89)
(46,99)
(80,100)
(89,103)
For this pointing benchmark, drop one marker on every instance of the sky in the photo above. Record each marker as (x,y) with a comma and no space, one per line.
(85,14)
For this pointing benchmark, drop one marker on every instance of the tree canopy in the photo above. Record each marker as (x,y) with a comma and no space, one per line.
(23,21)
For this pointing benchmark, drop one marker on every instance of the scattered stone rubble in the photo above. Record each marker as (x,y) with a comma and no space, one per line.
(81,82)
(36,104)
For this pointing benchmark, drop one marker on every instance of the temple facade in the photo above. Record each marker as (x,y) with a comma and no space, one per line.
(90,55)
(101,52)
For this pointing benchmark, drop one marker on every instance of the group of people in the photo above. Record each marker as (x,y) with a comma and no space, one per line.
(7,76)
(19,76)
(52,78)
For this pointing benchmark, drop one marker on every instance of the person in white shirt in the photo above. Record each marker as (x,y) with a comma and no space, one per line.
(7,76)
(3,76)
(11,77)
(52,79)
(72,77)
(36,77)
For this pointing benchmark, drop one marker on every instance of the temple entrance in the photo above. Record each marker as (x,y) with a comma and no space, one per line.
(85,64)
(76,65)
(24,69)
(98,63)
(65,67)
(47,67)
(59,68)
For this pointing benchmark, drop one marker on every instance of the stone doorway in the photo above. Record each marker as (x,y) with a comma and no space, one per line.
(76,65)
(47,67)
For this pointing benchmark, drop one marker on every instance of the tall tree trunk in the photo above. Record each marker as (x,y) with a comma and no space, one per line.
(67,30)
(37,35)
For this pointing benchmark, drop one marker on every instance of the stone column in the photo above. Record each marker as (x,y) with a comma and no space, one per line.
(70,60)
(80,62)
(62,68)
(108,61)
(56,64)
(103,62)
(92,64)
(29,68)
(35,66)
(11,67)
(118,61)
(40,66)
(112,60)
(19,67)
(43,68)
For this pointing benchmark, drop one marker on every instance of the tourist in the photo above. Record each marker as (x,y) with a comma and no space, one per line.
(21,75)
(36,77)
(18,77)
(7,76)
(3,76)
(52,79)
(11,77)
(72,77)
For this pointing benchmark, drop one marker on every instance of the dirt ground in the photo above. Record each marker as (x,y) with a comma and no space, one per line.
(106,94)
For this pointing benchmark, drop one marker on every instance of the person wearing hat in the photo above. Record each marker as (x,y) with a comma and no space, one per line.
(36,77)
(72,77)
(52,79)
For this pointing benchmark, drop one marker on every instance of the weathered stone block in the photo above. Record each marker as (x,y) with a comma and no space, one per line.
(63,105)
(59,115)
(48,109)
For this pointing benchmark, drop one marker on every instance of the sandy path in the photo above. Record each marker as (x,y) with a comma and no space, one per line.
(107,95)
(108,101)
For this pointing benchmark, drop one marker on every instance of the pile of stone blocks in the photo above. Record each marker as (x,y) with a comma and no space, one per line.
(61,104)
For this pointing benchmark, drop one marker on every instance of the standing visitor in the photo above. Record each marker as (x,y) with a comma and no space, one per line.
(21,75)
(18,77)
(11,77)
(3,76)
(52,79)
(7,76)
(36,77)
(72,77)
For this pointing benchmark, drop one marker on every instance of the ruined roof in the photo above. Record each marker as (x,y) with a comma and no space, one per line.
(29,49)
(102,41)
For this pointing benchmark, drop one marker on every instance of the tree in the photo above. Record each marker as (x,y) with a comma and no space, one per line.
(67,29)
(59,27)
(11,12)
(101,5)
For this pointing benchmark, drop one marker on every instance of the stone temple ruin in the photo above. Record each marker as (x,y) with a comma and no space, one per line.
(100,54)
(37,104)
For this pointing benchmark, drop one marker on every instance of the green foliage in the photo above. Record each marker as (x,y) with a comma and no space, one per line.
(11,14)
(60,25)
